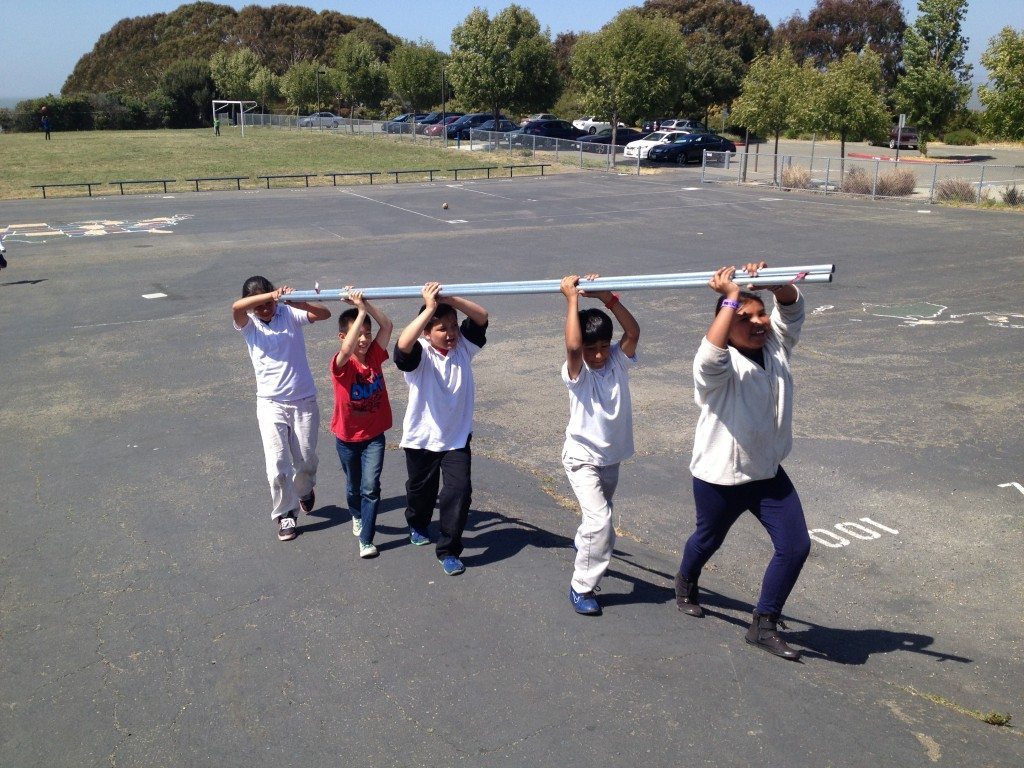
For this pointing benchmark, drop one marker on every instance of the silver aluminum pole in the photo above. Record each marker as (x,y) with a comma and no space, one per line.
(541,286)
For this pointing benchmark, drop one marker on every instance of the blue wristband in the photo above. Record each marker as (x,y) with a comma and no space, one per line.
(730,303)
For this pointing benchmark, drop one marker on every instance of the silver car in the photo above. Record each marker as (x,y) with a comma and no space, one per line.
(320,120)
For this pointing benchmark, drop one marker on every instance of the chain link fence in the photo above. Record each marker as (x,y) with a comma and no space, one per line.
(869,177)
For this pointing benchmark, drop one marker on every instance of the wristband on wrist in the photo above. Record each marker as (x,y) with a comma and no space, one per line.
(730,303)
(612,301)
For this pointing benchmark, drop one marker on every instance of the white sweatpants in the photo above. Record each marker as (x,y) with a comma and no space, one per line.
(594,487)
(289,432)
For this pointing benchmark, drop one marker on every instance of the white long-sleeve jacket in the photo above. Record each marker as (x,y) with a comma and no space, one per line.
(745,428)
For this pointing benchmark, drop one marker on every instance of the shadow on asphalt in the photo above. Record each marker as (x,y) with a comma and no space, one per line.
(842,646)
(26,282)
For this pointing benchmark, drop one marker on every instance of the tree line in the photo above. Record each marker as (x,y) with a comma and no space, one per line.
(845,70)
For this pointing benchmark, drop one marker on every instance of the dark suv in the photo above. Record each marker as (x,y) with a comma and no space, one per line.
(907,137)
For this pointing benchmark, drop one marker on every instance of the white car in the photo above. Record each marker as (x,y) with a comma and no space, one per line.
(641,147)
(591,124)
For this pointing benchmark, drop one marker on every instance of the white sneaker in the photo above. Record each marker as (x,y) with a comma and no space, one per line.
(357,526)
(367,550)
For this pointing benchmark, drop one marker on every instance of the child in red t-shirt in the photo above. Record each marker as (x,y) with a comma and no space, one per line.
(362,412)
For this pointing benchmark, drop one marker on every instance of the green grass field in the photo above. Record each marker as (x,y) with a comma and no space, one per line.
(106,156)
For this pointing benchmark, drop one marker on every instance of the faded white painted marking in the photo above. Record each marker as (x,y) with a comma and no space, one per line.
(691,189)
(458,221)
(827,538)
(154,295)
(822,309)
(923,211)
(836,543)
(770,199)
(398,207)
(854,529)
(1018,486)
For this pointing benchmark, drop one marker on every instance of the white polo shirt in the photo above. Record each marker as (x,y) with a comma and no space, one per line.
(442,395)
(600,427)
(278,353)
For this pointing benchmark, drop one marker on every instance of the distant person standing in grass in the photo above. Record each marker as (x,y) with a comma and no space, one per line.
(216,126)
(46,126)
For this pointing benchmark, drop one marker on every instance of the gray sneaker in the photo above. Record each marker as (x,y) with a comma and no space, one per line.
(367,550)
(286,527)
(357,526)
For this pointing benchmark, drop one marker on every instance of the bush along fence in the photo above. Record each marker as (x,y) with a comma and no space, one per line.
(874,177)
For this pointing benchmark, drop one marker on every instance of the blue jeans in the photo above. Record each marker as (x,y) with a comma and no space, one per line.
(362,463)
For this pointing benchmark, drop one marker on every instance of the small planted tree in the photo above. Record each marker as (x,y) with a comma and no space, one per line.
(1003,95)
(415,74)
(358,76)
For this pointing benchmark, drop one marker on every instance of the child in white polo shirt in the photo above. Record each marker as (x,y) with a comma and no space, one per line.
(286,407)
(600,431)
(435,355)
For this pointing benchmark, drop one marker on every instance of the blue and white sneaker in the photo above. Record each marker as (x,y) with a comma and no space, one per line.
(452,565)
(584,603)
(417,538)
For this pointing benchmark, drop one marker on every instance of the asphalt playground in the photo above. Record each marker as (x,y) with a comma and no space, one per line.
(150,617)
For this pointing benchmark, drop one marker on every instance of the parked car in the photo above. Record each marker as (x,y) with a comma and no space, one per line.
(503,126)
(546,133)
(653,124)
(908,138)
(689,148)
(472,120)
(591,124)
(623,136)
(641,147)
(537,116)
(437,128)
(433,118)
(688,126)
(401,123)
(320,119)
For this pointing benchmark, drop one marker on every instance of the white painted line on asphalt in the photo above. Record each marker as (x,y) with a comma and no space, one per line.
(769,199)
(154,295)
(923,211)
(457,221)
(691,189)
(400,208)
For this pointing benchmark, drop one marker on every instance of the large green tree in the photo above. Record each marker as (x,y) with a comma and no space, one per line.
(937,83)
(713,76)
(771,96)
(834,27)
(187,91)
(1003,95)
(415,74)
(634,66)
(736,25)
(847,99)
(504,62)
(303,88)
(358,76)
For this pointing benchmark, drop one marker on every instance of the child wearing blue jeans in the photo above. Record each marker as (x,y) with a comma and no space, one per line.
(362,412)
(286,407)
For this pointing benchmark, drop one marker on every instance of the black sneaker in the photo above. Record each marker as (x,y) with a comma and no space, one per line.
(306,502)
(286,527)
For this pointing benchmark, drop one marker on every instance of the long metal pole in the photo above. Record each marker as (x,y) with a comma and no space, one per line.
(624,283)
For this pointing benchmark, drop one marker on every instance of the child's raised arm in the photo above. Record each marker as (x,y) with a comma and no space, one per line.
(407,338)
(470,309)
(384,325)
(573,333)
(240,308)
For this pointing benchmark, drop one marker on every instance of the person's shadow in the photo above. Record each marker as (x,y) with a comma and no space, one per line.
(501,537)
(331,515)
(842,646)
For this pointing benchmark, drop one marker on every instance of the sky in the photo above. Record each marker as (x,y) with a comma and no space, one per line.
(40,42)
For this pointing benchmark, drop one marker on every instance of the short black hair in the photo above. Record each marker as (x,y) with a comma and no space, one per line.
(346,318)
(744,296)
(595,325)
(440,313)
(256,285)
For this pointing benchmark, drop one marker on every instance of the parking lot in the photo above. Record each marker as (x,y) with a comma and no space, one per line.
(150,616)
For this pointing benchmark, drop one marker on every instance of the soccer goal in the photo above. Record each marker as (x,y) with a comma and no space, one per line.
(233,109)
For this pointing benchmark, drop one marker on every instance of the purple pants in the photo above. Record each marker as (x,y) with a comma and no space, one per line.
(777,507)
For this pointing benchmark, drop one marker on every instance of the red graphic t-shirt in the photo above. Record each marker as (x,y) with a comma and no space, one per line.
(362,410)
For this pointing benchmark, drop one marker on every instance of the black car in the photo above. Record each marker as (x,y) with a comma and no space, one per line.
(690,148)
(622,137)
(433,118)
(403,123)
(653,124)
(545,133)
(461,127)
(906,137)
